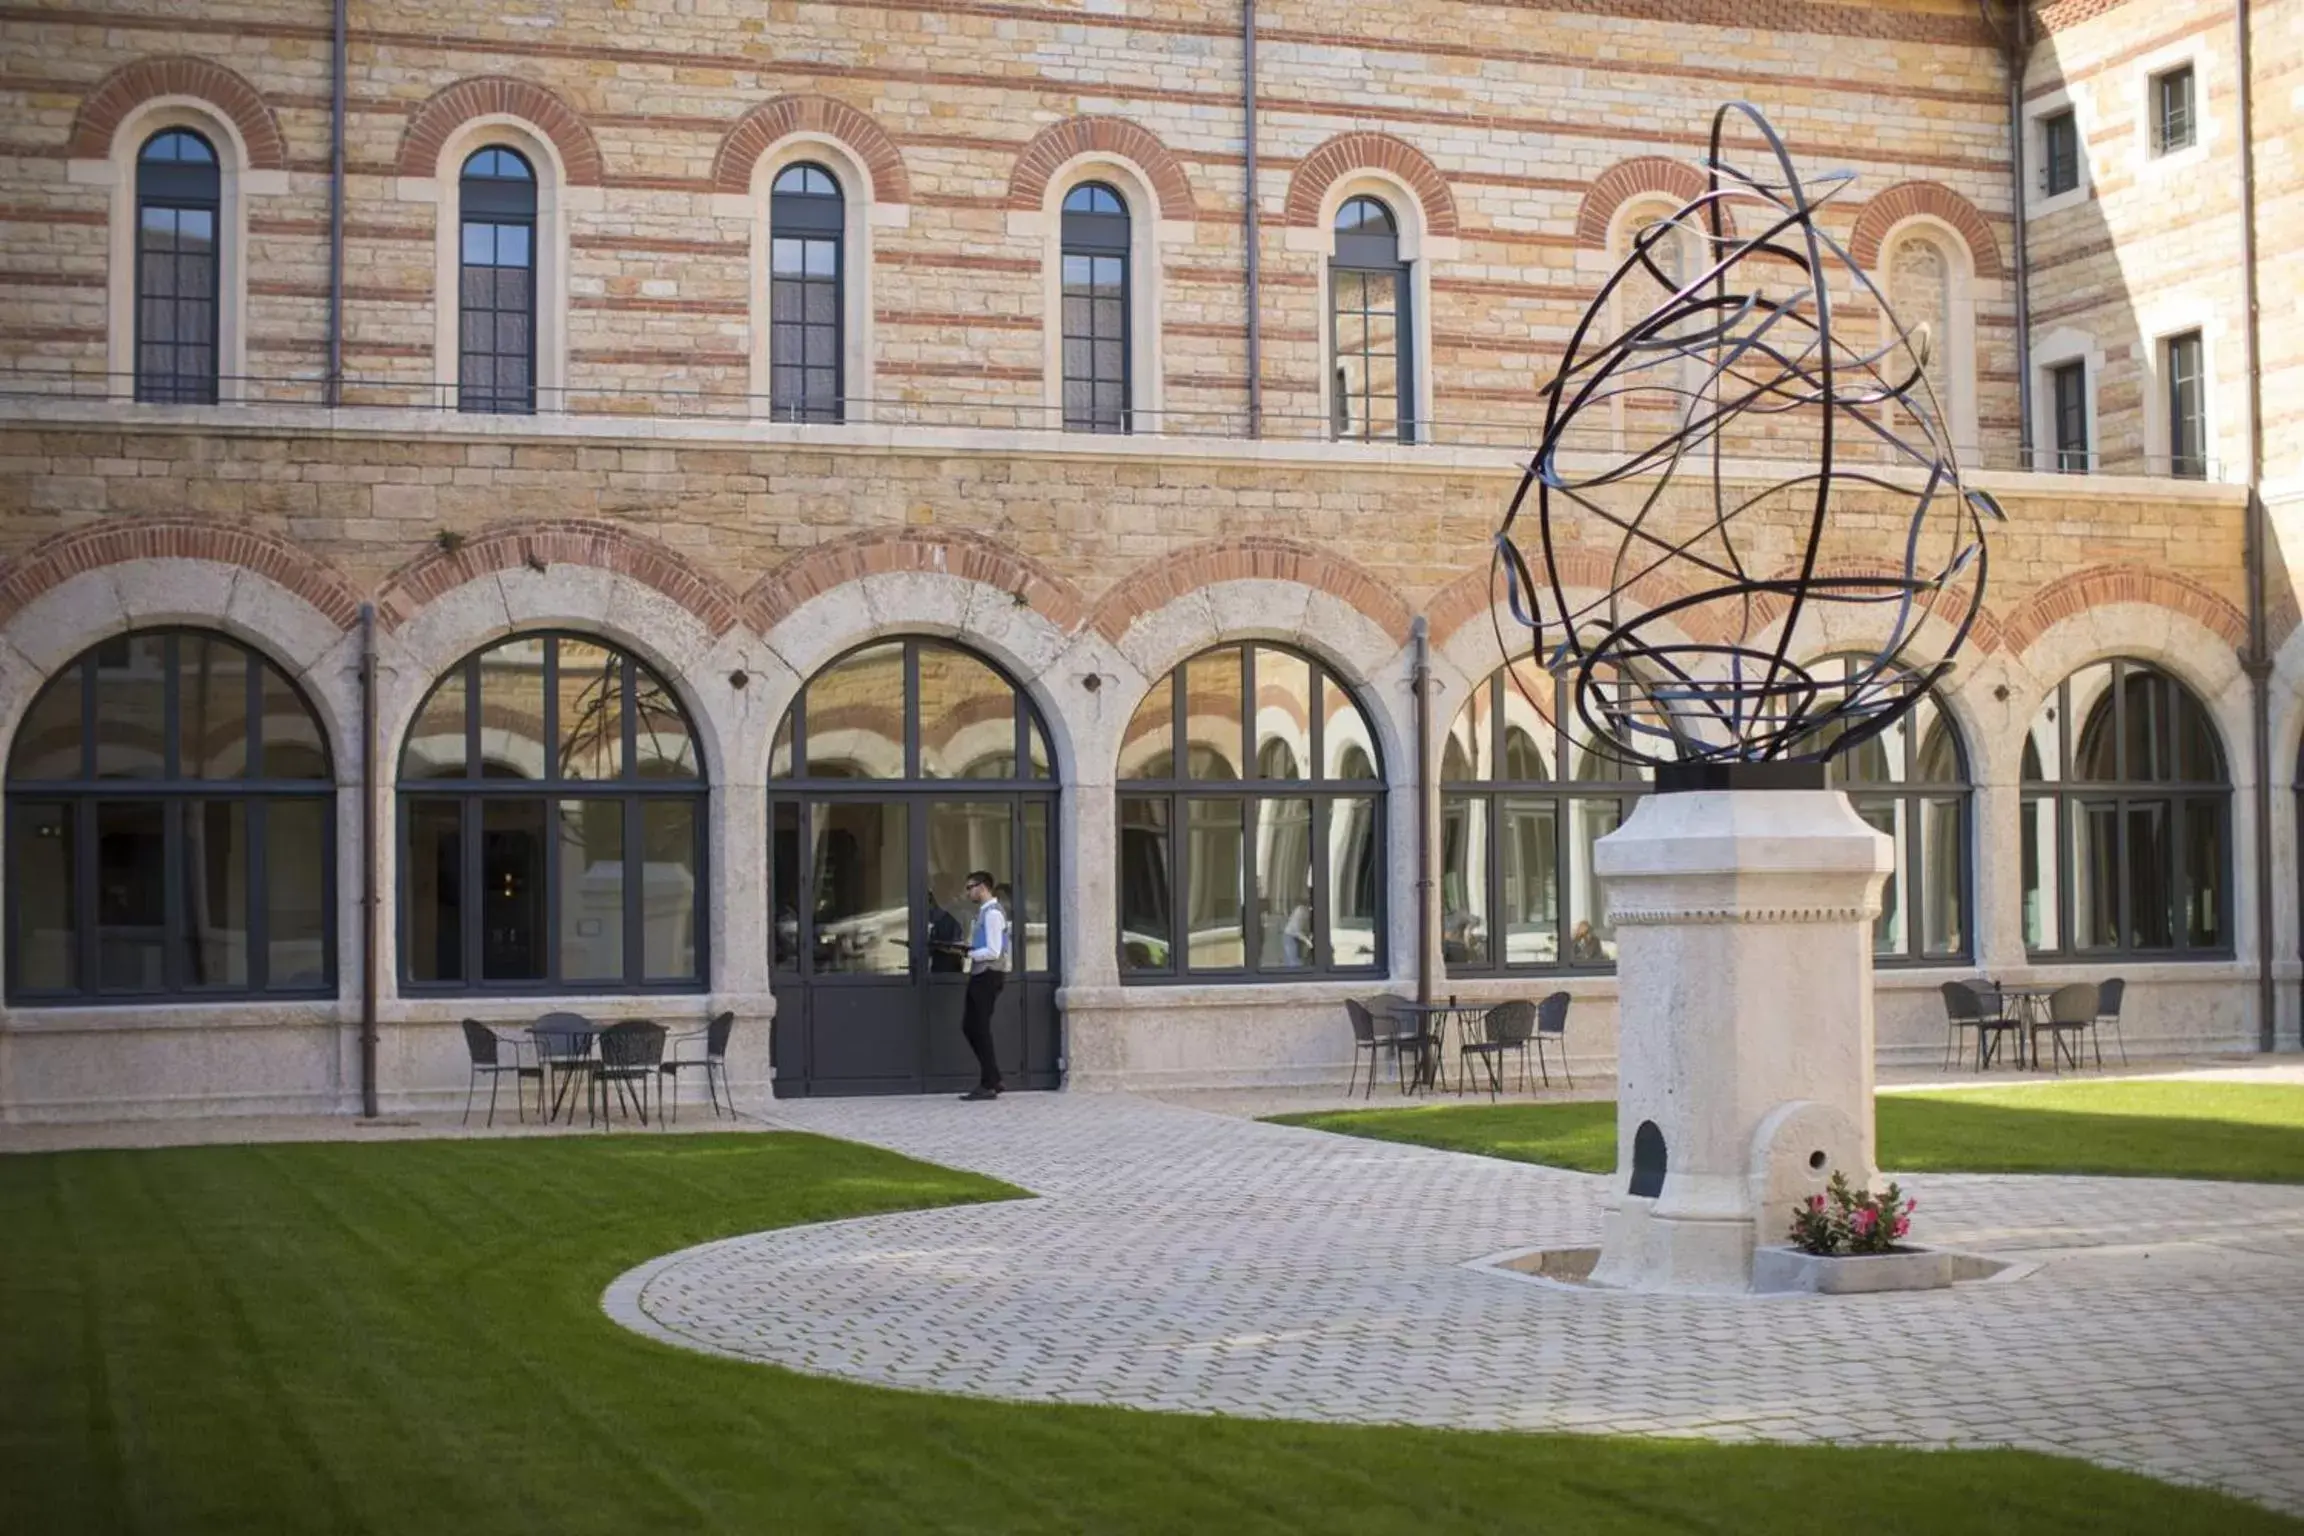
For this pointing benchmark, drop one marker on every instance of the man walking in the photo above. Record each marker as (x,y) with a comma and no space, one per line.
(988,952)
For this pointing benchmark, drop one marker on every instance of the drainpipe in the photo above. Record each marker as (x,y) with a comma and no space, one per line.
(2018,50)
(332,392)
(2259,658)
(1420,637)
(368,912)
(1251,220)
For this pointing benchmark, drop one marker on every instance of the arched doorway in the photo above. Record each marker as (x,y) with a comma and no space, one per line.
(900,768)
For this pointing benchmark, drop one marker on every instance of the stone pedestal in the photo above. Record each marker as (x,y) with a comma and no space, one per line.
(1743,925)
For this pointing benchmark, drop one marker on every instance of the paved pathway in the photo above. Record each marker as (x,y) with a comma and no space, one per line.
(1186,1261)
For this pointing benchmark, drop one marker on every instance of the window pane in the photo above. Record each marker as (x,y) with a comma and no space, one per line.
(1530,860)
(1212,907)
(1147,750)
(512,890)
(131,707)
(512,742)
(48,743)
(967,717)
(2095,754)
(211,707)
(591,684)
(131,896)
(863,906)
(2204,862)
(1355,859)
(2199,754)
(1345,740)
(1034,915)
(1464,880)
(1590,939)
(784,884)
(292,744)
(2043,932)
(296,871)
(662,748)
(856,716)
(1888,928)
(1212,691)
(1284,928)
(434,942)
(41,869)
(215,893)
(780,751)
(1942,877)
(591,890)
(2095,874)
(1283,715)
(965,835)
(2151,877)
(1145,883)
(435,748)
(1471,736)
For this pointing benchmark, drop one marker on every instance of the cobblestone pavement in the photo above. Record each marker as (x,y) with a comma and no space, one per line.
(1187,1261)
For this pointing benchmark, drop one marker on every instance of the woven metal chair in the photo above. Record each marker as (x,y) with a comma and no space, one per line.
(1505,1027)
(711,1045)
(631,1056)
(564,1045)
(1552,1026)
(2109,996)
(1979,1008)
(2071,1011)
(487,1050)
(1373,1036)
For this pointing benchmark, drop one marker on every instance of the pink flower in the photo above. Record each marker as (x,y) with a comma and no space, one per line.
(1903,1225)
(1815,1202)
(1864,1221)
(1912,1204)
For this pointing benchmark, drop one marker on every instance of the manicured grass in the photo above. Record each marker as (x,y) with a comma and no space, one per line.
(2248,1132)
(408,1337)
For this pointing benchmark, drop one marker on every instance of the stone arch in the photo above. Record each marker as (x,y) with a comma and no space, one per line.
(1644,175)
(539,546)
(1152,588)
(751,135)
(62,556)
(1053,145)
(969,557)
(1472,596)
(452,106)
(1349,152)
(131,85)
(1908,199)
(2102,585)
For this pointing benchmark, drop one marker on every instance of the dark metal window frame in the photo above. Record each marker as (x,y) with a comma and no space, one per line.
(2184,364)
(2059,152)
(802,794)
(473,790)
(182,188)
(1179,793)
(497,202)
(2063,796)
(2175,109)
(809,217)
(1908,795)
(173,792)
(1373,256)
(2068,394)
(1095,237)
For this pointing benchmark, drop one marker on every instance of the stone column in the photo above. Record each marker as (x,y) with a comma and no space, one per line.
(1744,930)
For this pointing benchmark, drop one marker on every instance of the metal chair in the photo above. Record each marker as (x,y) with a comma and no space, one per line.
(713,1062)
(1981,1009)
(631,1057)
(2070,1010)
(2109,996)
(1552,1025)
(1369,1036)
(1505,1027)
(486,1048)
(564,1044)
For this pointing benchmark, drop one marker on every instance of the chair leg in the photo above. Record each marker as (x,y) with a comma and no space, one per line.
(1541,1065)
(716,1084)
(495,1080)
(471,1087)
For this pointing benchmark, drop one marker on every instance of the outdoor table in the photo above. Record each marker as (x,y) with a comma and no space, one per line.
(2031,999)
(578,1042)
(1432,1032)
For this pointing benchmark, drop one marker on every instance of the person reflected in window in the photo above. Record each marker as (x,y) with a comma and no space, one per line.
(947,944)
(1296,934)
(988,961)
(1584,946)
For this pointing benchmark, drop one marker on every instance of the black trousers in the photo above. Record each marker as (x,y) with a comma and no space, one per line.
(976,1024)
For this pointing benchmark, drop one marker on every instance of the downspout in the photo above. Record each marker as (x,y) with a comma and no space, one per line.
(2259,659)
(368,912)
(1251,219)
(332,392)
(2019,55)
(1420,683)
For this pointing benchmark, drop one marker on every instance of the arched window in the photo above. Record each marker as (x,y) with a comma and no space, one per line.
(805,217)
(179,198)
(2127,819)
(1371,398)
(1920,288)
(552,825)
(171,828)
(1251,823)
(1096,341)
(496,316)
(1911,782)
(1517,887)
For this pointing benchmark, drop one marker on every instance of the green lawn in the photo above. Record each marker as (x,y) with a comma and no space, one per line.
(2250,1132)
(407,1337)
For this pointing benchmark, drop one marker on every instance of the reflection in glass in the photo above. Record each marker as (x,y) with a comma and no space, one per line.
(292,746)
(211,707)
(2203,874)
(131,707)
(863,911)
(856,716)
(1283,714)
(2095,877)
(1355,865)
(967,717)
(435,748)
(512,889)
(668,906)
(591,901)
(2043,929)
(1284,884)
(1213,939)
(1464,881)
(40,851)
(1943,866)
(1887,816)
(1213,689)
(1145,883)
(48,742)
(512,742)
(1034,916)
(131,896)
(297,834)
(1147,751)
(784,884)
(1346,742)
(590,683)
(2151,876)
(662,745)
(1530,863)
(964,835)
(1590,939)
(434,884)
(215,865)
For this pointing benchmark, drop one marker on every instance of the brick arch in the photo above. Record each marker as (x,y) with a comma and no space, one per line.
(1470,597)
(60,557)
(2100,585)
(1907,198)
(749,137)
(1769,608)
(131,85)
(1643,176)
(968,556)
(1153,587)
(489,95)
(1059,142)
(568,541)
(1349,152)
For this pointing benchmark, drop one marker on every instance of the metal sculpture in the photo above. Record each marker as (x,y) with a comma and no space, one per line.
(1740,364)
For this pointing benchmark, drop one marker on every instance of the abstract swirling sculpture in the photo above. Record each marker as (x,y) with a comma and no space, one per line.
(1664,454)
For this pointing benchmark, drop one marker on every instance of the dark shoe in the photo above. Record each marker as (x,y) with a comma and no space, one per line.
(979,1095)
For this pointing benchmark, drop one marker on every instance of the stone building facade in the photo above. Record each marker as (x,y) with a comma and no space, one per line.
(663,489)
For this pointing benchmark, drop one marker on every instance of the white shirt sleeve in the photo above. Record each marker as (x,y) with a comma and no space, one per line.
(992,924)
